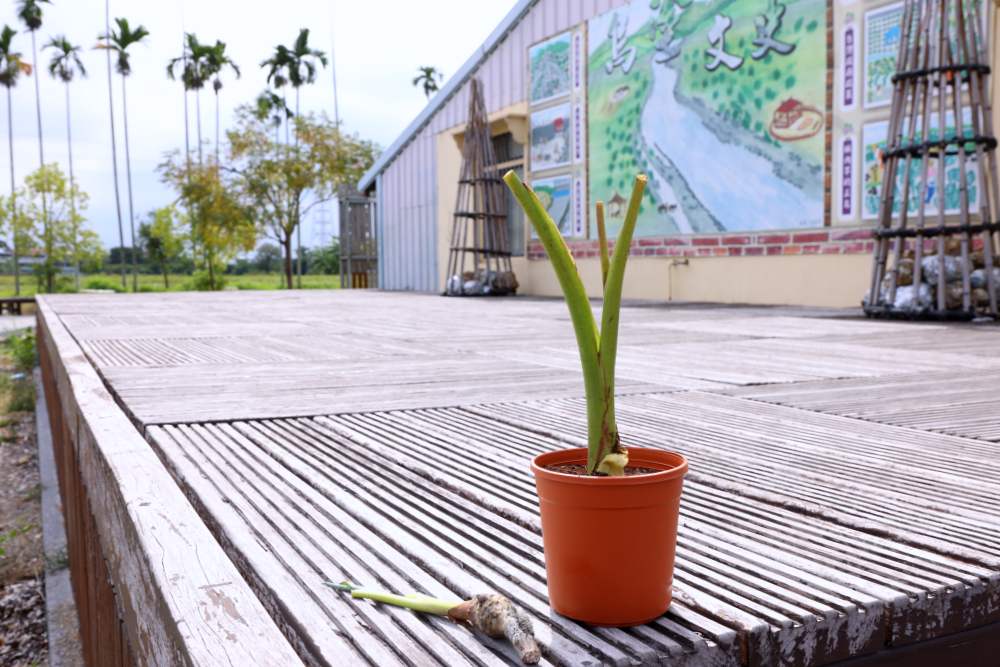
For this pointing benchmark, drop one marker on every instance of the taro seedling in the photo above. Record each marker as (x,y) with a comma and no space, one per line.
(490,613)
(598,347)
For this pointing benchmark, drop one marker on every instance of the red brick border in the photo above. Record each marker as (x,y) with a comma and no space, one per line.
(846,241)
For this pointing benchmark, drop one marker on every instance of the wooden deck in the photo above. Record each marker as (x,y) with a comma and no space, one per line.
(843,500)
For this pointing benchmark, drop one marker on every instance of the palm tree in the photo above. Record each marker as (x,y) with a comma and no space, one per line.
(275,74)
(216,61)
(194,75)
(65,64)
(12,66)
(428,77)
(299,63)
(30,13)
(119,41)
(296,66)
(114,147)
(271,107)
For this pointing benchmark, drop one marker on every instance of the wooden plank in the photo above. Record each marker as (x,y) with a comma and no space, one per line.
(785,457)
(401,531)
(958,403)
(181,599)
(916,573)
(386,437)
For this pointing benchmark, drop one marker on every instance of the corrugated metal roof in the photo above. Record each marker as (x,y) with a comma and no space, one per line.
(446,93)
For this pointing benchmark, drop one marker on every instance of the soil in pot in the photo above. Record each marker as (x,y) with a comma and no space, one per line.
(580,469)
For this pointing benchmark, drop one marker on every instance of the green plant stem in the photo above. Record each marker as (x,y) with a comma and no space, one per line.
(611,310)
(415,601)
(602,240)
(581,314)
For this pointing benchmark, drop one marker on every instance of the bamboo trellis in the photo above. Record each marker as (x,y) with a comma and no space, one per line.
(479,261)
(934,260)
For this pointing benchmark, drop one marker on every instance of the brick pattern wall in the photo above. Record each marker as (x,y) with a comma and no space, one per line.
(848,241)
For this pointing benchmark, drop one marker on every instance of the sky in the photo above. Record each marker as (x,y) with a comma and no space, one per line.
(378,47)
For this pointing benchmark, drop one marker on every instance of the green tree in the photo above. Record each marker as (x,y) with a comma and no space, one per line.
(53,222)
(114,143)
(325,260)
(12,66)
(216,61)
(280,184)
(15,223)
(428,78)
(89,252)
(119,41)
(267,259)
(194,74)
(223,225)
(65,65)
(297,67)
(30,13)
(271,107)
(162,240)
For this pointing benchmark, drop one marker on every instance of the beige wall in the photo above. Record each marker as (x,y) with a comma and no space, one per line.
(808,280)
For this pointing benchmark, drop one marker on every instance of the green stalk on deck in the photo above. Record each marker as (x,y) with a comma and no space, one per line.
(597,347)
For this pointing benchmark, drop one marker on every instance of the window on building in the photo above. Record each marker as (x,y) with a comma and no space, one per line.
(510,155)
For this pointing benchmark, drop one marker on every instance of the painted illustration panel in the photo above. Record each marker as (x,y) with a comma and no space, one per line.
(924,179)
(550,138)
(720,103)
(556,196)
(882,35)
(550,68)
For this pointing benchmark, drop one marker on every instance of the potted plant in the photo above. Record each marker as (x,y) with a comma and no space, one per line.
(609,513)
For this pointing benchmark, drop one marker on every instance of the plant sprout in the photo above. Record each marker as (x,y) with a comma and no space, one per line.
(598,347)
(490,613)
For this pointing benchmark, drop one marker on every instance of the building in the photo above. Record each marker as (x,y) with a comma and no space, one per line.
(761,127)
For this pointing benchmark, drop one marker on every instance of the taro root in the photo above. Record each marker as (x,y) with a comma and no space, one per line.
(497,617)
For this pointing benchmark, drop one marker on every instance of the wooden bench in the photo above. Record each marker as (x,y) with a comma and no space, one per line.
(11,305)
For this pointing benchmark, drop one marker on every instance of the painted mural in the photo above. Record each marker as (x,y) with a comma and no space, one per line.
(554,193)
(720,103)
(550,71)
(550,138)
(924,179)
(883,31)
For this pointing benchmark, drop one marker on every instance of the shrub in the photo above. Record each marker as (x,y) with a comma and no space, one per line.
(22,349)
(101,282)
(200,281)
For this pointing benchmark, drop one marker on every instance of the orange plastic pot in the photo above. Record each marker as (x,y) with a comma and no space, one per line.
(610,541)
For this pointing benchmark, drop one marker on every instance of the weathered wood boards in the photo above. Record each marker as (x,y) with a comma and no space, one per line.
(176,596)
(357,435)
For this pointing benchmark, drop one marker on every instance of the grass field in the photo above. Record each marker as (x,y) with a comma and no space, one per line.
(178,283)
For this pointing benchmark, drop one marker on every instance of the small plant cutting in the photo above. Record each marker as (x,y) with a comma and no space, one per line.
(609,513)
(490,613)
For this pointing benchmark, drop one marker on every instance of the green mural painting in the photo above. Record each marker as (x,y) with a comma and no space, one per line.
(549,63)
(923,180)
(720,102)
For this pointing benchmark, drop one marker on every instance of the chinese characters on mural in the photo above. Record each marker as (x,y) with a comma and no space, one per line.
(621,55)
(719,103)
(766,25)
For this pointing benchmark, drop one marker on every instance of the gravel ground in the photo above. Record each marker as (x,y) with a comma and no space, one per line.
(23,636)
